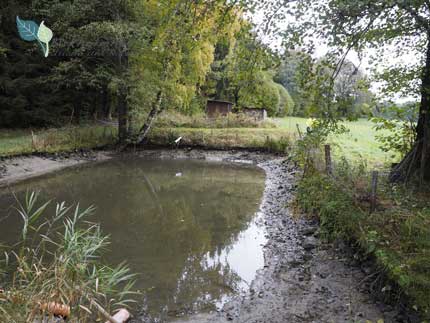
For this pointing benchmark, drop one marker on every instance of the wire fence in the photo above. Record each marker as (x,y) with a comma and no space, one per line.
(370,181)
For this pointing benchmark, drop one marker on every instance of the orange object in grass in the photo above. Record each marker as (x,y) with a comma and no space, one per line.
(56,309)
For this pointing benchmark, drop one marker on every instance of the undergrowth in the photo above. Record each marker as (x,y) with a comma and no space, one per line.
(396,235)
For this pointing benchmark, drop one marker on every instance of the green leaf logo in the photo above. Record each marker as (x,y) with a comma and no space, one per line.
(29,31)
(45,35)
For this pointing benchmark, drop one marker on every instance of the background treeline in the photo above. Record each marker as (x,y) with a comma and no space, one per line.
(133,59)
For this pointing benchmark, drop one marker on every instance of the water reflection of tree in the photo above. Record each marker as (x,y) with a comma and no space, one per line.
(172,230)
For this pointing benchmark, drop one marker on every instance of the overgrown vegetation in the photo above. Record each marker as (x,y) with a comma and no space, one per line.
(55,267)
(396,236)
(397,128)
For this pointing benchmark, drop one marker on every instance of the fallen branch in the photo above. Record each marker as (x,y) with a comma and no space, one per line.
(103,312)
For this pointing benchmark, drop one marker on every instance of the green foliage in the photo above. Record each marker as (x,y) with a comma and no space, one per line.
(58,260)
(396,235)
(286,102)
(262,93)
(308,152)
(223,138)
(35,91)
(398,129)
(320,196)
(241,73)
(289,74)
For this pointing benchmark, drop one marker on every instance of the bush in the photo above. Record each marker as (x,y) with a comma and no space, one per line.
(319,196)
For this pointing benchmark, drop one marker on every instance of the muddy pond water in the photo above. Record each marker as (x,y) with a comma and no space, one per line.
(189,229)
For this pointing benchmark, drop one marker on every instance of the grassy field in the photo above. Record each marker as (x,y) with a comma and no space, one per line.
(358,143)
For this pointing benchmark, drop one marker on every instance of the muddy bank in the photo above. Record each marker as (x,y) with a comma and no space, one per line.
(302,280)
(16,169)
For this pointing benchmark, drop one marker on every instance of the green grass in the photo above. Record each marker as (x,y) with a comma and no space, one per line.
(19,142)
(358,143)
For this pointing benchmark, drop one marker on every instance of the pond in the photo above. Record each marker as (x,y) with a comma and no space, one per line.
(188,228)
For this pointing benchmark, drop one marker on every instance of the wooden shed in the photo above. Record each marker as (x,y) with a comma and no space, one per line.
(258,114)
(216,108)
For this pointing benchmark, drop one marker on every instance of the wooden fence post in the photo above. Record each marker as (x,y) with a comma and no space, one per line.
(299,131)
(328,165)
(373,191)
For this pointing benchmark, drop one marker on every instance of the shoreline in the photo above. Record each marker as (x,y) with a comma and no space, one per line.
(14,170)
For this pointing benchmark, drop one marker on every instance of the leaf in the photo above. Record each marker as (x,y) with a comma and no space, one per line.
(44,34)
(27,29)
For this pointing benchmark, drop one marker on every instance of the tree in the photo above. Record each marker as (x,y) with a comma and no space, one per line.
(348,25)
(241,73)
(83,62)
(351,90)
(174,65)
(289,74)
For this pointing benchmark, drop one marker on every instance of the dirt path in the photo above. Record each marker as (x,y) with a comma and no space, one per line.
(302,281)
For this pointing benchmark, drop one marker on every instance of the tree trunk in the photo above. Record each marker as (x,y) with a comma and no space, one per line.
(94,109)
(105,98)
(122,100)
(417,161)
(122,117)
(155,110)
(77,108)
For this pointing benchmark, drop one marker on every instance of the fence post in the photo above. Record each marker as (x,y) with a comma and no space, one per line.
(373,191)
(299,131)
(328,165)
